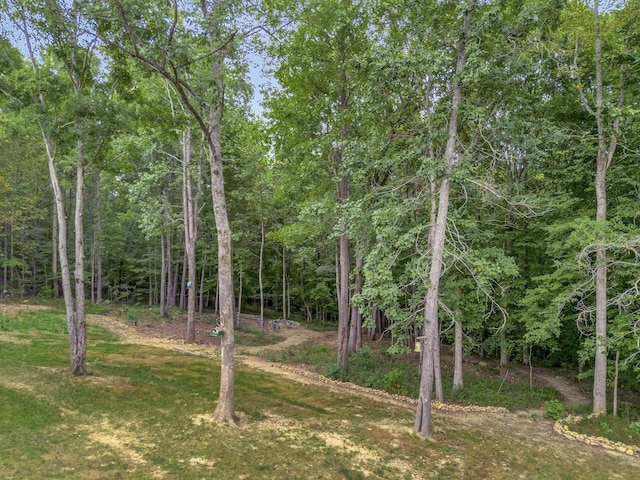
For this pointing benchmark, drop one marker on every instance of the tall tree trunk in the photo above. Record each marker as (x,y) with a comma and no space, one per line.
(260,267)
(209,121)
(433,217)
(202,271)
(79,335)
(163,276)
(190,220)
(458,381)
(284,284)
(54,249)
(62,249)
(225,409)
(343,306)
(355,333)
(98,241)
(75,311)
(422,423)
(239,307)
(606,150)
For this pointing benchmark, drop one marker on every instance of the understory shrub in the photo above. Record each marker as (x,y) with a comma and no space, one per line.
(553,409)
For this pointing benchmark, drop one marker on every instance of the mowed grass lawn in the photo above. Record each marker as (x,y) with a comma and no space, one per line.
(141,414)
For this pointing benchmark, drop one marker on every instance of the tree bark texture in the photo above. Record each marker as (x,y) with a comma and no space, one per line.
(190,220)
(98,242)
(284,284)
(606,150)
(343,306)
(422,424)
(355,331)
(163,276)
(65,270)
(54,250)
(225,410)
(458,381)
(78,334)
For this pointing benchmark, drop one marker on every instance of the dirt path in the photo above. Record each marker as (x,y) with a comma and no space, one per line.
(495,426)
(571,394)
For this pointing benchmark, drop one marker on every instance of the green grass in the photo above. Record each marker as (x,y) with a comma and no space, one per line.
(617,429)
(136,417)
(252,337)
(398,374)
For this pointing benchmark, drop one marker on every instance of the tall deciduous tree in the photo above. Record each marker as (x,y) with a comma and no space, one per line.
(167,43)
(602,85)
(316,71)
(77,57)
(422,423)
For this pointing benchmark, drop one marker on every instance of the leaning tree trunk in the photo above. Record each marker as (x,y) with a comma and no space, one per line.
(75,314)
(422,423)
(65,271)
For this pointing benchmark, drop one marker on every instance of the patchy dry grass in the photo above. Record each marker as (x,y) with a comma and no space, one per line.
(144,413)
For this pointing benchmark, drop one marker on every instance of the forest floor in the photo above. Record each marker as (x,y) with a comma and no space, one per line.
(490,436)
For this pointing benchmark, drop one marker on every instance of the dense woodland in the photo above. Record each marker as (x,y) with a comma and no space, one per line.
(456,172)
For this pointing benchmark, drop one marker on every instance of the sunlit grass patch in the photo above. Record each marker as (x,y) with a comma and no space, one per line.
(141,414)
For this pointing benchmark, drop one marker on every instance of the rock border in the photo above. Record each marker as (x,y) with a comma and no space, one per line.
(561,427)
(435,404)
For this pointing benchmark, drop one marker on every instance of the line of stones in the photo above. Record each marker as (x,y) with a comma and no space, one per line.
(561,427)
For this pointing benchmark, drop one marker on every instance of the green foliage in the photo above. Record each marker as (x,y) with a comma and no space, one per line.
(395,382)
(553,409)
(363,93)
(45,292)
(255,338)
(334,372)
(490,390)
(616,429)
